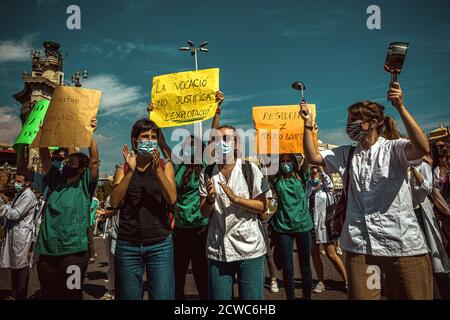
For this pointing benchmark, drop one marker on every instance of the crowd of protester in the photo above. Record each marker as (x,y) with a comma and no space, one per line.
(227,218)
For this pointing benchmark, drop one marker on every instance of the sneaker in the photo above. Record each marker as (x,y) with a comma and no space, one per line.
(322,251)
(274,287)
(339,251)
(109,295)
(319,288)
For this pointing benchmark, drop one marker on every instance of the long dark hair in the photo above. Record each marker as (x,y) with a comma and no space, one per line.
(435,156)
(369,110)
(193,168)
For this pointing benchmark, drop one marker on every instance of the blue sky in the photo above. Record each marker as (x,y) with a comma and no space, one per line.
(261,47)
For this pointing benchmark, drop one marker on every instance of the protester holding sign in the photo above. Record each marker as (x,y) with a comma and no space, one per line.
(292,222)
(380,228)
(233,194)
(146,190)
(63,238)
(189,236)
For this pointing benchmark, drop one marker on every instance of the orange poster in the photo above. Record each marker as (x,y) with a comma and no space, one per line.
(279,129)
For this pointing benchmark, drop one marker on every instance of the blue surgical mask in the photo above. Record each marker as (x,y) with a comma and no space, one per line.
(58,163)
(287,167)
(19,187)
(146,147)
(316,181)
(225,147)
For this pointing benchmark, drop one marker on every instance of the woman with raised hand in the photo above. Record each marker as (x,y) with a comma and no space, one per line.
(381,231)
(143,195)
(63,236)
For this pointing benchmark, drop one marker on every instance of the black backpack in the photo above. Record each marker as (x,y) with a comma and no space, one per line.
(247,170)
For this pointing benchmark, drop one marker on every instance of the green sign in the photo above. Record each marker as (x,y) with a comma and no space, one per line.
(33,124)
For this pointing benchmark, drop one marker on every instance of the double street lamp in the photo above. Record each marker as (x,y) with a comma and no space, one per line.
(193,50)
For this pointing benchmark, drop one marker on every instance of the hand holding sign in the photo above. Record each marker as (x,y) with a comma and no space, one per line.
(32,125)
(279,130)
(67,122)
(184,98)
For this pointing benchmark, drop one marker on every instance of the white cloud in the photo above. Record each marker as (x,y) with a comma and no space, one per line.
(232,98)
(10,125)
(118,98)
(16,50)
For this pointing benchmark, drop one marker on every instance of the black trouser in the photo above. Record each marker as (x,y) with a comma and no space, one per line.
(90,232)
(62,277)
(19,283)
(190,245)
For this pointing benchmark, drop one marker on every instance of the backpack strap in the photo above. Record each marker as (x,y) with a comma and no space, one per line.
(247,170)
(347,168)
(209,170)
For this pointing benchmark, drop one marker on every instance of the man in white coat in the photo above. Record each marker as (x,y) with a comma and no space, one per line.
(18,219)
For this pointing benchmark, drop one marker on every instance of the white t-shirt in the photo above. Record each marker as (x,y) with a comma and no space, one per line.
(380,218)
(234,233)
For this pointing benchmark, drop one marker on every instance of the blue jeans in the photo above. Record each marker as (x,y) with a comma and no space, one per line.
(157,259)
(303,240)
(250,274)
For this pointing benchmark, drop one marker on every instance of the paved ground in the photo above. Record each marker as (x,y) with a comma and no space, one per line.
(95,285)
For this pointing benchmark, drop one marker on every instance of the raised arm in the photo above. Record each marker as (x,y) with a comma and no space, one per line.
(93,153)
(312,156)
(219,99)
(46,159)
(418,145)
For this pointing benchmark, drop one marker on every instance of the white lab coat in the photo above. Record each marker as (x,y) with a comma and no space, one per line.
(19,230)
(439,259)
(322,199)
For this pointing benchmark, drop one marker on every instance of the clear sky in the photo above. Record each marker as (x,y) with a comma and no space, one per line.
(261,47)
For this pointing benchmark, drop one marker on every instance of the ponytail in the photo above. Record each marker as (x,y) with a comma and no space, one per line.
(388,129)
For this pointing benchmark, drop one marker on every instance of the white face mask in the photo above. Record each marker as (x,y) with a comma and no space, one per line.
(225,147)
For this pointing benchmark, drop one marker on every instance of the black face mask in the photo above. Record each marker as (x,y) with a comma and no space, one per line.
(58,159)
(69,172)
(441,150)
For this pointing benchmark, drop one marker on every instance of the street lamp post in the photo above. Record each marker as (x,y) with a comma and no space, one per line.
(77,76)
(193,50)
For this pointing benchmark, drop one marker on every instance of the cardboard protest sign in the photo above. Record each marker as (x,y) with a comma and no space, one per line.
(279,129)
(32,125)
(68,118)
(184,98)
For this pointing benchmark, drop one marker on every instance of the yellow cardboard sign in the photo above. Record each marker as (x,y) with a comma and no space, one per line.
(67,122)
(184,98)
(279,129)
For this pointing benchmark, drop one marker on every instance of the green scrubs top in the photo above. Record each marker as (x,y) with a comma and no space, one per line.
(66,217)
(187,209)
(292,213)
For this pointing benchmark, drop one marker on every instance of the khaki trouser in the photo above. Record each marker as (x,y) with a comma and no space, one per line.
(406,278)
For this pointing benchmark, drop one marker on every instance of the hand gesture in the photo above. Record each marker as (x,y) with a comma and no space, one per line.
(395,95)
(219,99)
(155,161)
(130,158)
(150,107)
(211,190)
(305,113)
(94,124)
(230,194)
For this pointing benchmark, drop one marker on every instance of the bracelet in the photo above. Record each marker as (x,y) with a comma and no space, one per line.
(309,127)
